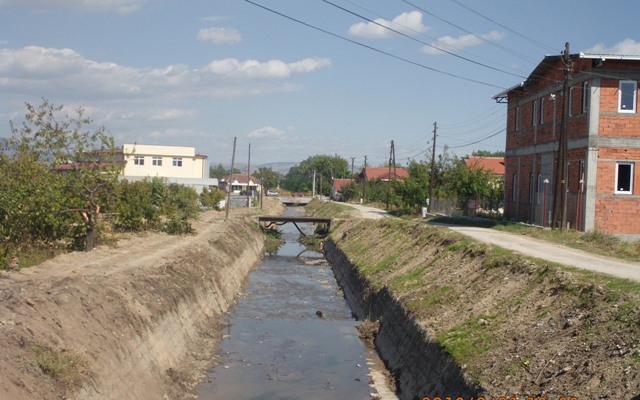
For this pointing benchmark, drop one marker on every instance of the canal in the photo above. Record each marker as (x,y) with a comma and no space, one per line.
(291,335)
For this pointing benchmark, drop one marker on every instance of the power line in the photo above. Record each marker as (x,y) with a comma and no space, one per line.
(499,120)
(420,41)
(437,40)
(540,44)
(503,48)
(373,48)
(478,141)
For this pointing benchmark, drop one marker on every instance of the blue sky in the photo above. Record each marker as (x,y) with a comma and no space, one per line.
(199,73)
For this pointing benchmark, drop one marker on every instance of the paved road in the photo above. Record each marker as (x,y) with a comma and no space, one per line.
(537,248)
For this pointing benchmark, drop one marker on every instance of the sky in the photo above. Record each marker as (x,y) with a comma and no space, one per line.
(290,79)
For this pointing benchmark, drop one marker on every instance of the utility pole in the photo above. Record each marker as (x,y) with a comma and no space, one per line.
(249,179)
(433,166)
(560,195)
(391,159)
(233,160)
(353,159)
(364,184)
(313,185)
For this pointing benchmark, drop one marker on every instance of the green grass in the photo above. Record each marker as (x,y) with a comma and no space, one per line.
(69,368)
(442,295)
(467,341)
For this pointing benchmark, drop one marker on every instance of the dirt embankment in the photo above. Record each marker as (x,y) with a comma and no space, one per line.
(486,320)
(134,321)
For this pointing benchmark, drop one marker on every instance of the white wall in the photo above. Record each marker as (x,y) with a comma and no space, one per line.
(192,166)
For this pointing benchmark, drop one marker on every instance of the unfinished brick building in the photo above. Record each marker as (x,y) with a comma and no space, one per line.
(602,144)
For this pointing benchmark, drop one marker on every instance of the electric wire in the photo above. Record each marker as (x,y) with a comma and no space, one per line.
(373,48)
(462,50)
(500,119)
(496,108)
(530,40)
(503,48)
(479,140)
(420,41)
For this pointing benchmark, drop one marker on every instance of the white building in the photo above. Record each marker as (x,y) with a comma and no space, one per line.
(176,164)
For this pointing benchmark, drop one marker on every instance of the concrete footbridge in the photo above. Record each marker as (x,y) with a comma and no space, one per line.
(269,221)
(295,200)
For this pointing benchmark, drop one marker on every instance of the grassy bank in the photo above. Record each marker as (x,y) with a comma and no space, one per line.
(517,326)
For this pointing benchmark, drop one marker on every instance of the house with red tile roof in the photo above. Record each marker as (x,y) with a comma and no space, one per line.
(336,188)
(238,183)
(495,165)
(382,173)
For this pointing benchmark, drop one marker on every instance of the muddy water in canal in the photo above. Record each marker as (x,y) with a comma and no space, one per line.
(291,335)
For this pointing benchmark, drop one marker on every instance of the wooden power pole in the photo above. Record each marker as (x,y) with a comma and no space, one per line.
(561,175)
(433,166)
(233,160)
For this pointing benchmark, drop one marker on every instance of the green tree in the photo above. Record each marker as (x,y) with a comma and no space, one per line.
(350,191)
(487,153)
(468,184)
(270,178)
(299,178)
(221,172)
(414,190)
(84,162)
(211,198)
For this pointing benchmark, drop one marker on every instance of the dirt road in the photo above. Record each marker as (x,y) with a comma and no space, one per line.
(535,248)
(552,252)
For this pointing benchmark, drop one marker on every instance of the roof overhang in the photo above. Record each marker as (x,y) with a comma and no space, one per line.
(503,96)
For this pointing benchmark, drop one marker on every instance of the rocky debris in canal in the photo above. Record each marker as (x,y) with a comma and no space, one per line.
(313,261)
(368,330)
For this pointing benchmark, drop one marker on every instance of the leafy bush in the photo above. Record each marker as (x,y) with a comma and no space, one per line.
(211,198)
(134,209)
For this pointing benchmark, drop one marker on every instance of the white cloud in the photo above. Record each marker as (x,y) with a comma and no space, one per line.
(119,6)
(37,70)
(219,35)
(626,47)
(172,114)
(408,23)
(270,69)
(456,44)
(266,132)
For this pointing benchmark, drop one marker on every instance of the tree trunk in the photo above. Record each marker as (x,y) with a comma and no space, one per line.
(91,240)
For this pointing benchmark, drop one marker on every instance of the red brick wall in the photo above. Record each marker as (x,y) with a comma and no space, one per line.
(617,213)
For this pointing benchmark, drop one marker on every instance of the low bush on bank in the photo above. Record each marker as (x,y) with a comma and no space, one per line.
(70,369)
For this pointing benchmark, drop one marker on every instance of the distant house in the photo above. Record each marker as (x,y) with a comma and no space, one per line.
(382,174)
(601,182)
(239,184)
(336,188)
(176,164)
(495,165)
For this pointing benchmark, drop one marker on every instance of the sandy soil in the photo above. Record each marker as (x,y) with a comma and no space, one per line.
(125,321)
